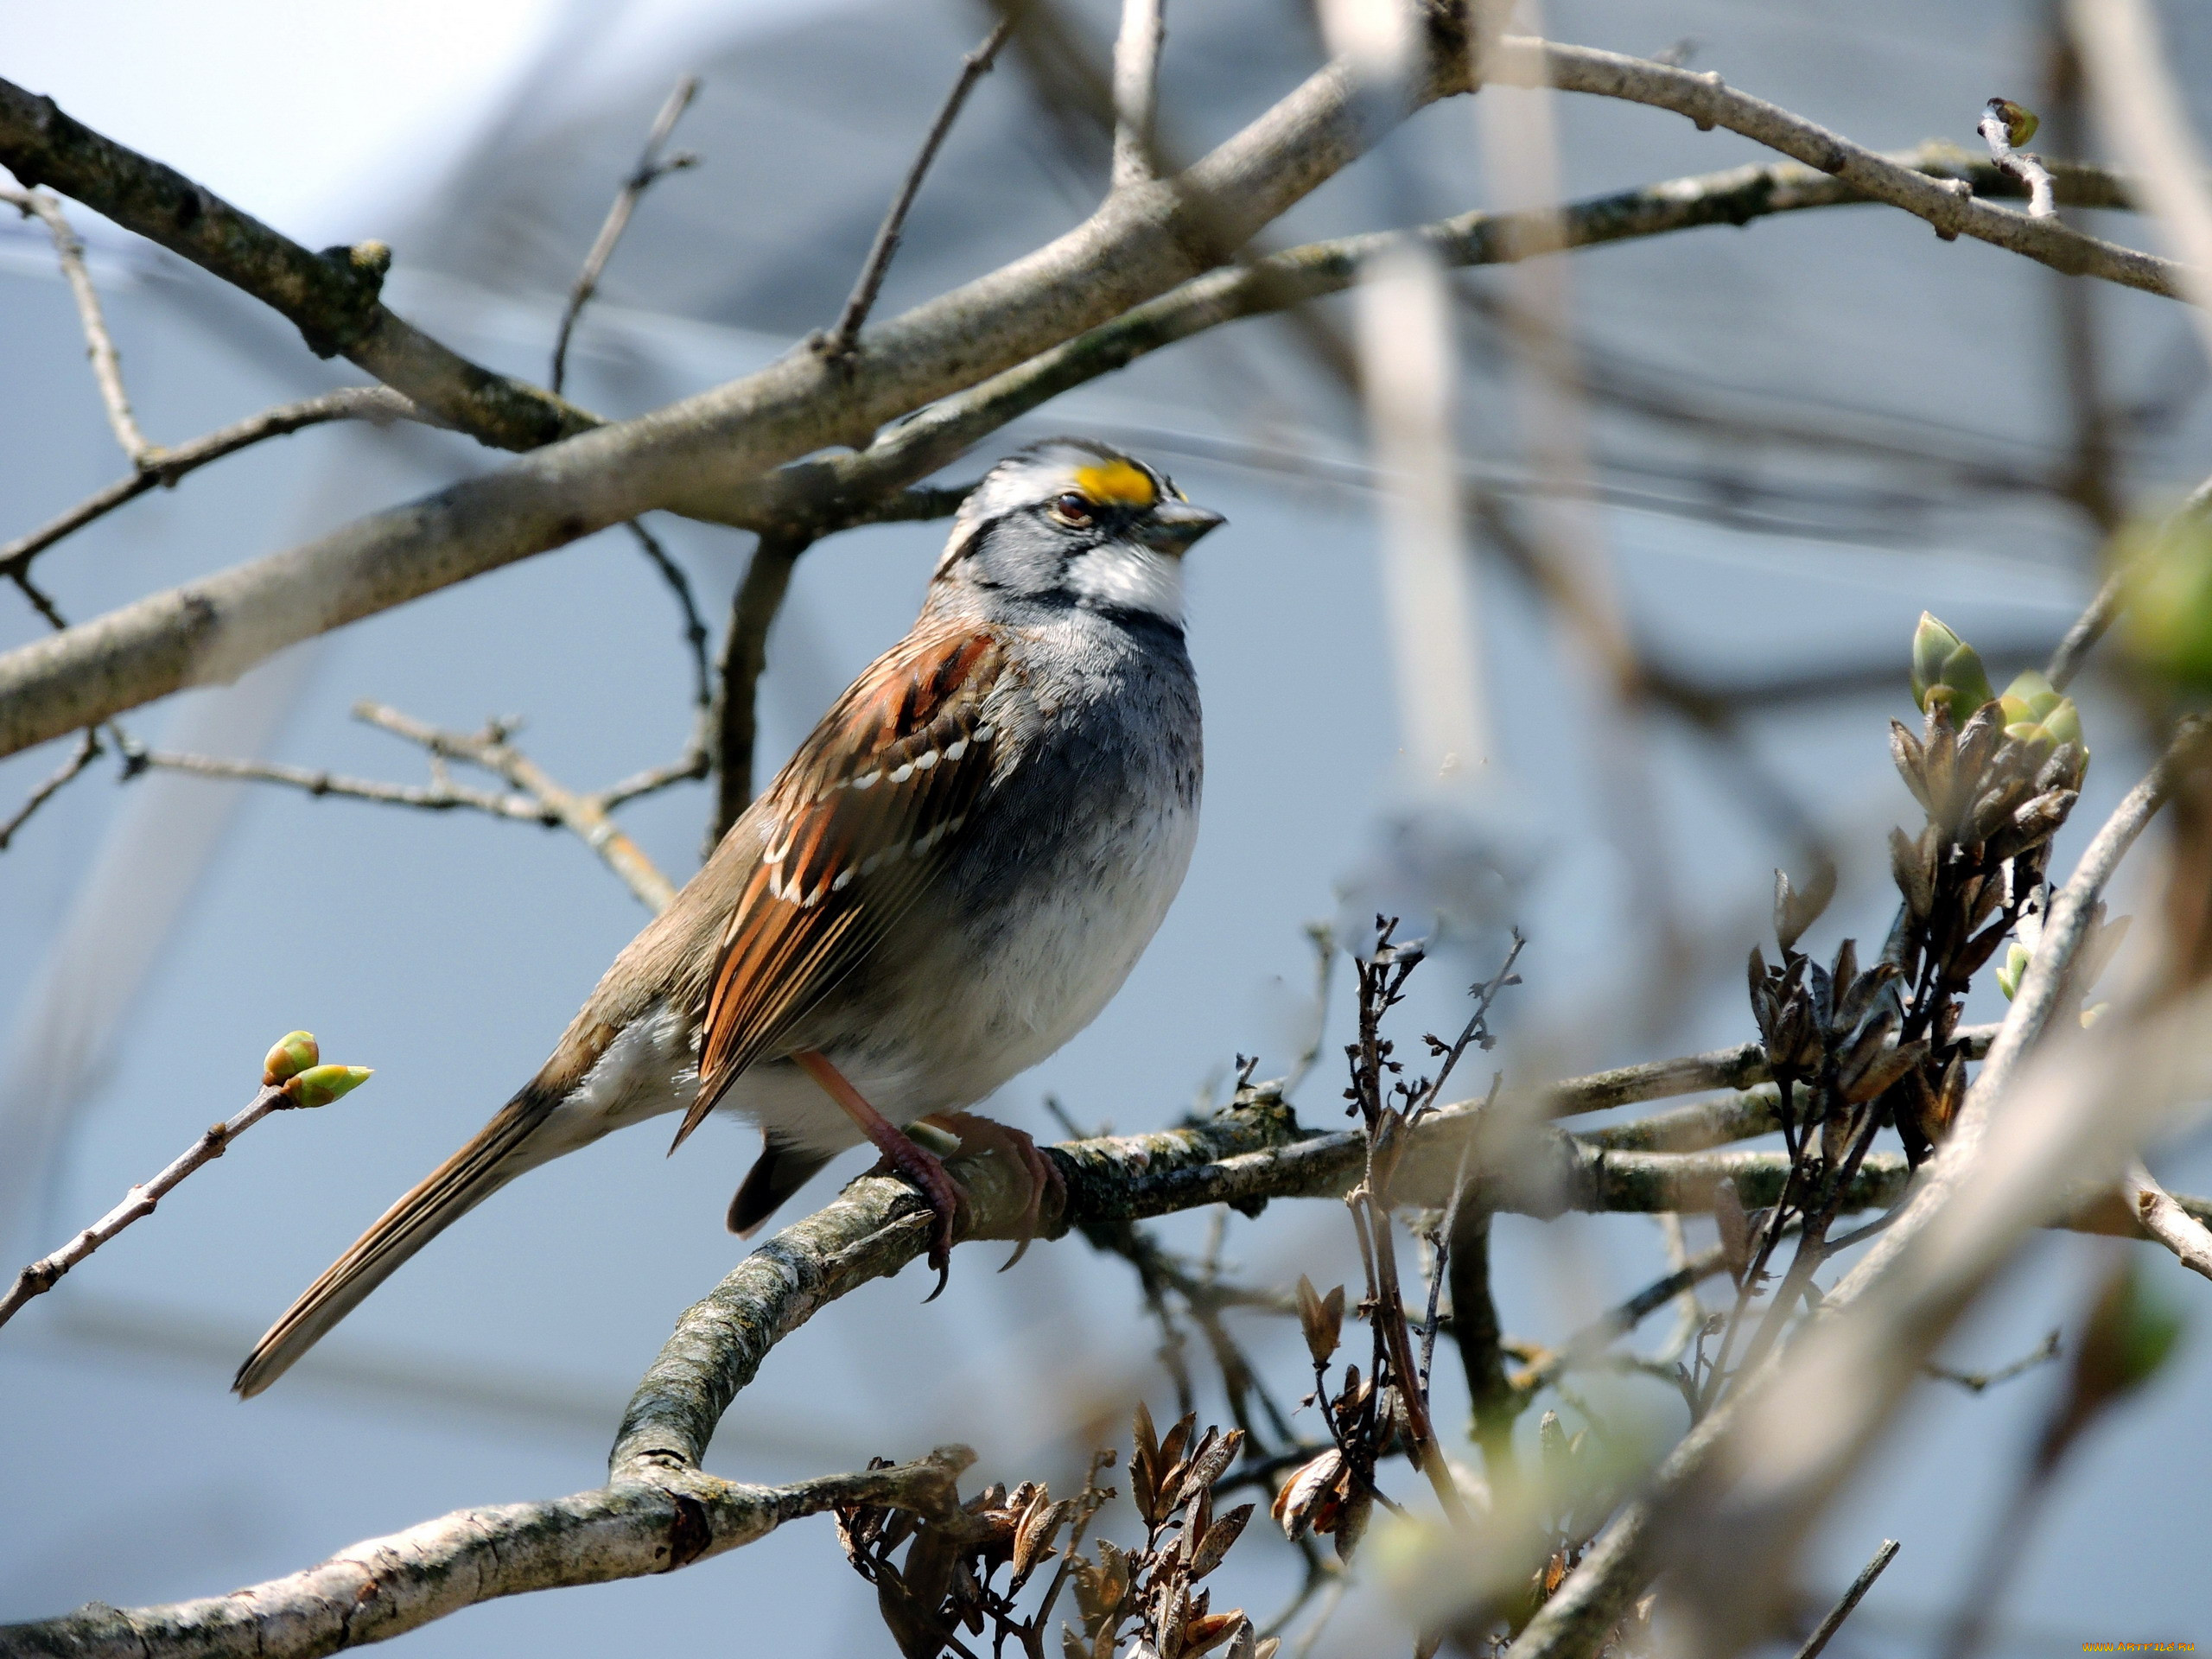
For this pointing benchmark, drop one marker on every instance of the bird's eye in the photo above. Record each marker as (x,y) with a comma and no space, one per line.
(1072,509)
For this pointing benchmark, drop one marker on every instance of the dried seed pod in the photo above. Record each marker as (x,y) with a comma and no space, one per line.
(1872,1036)
(1209,1631)
(1910,870)
(1321,1318)
(1213,1455)
(1910,756)
(1218,1539)
(1351,1523)
(1882,1069)
(1311,1500)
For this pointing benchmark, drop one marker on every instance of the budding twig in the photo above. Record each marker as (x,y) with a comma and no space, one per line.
(292,1079)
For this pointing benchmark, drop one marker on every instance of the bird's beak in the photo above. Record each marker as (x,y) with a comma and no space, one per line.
(1172,526)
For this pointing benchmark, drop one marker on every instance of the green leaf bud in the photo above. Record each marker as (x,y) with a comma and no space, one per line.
(2063,724)
(2020,122)
(294,1052)
(1932,645)
(320,1085)
(2009,970)
(2030,696)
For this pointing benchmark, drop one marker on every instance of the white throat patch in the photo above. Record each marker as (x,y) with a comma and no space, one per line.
(1128,577)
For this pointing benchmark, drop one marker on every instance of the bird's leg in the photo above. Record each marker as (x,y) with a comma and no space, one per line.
(1019,1149)
(901,1154)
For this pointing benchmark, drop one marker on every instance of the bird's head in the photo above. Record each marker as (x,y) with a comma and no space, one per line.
(1070,522)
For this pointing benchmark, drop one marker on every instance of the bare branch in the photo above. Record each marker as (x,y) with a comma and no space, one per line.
(2166,1221)
(439,797)
(99,344)
(39,601)
(753,611)
(331,297)
(694,455)
(695,629)
(1982,1382)
(1136,91)
(585,816)
(647,1519)
(2139,106)
(1948,206)
(1841,1610)
(148,649)
(87,750)
(972,67)
(650,169)
(379,405)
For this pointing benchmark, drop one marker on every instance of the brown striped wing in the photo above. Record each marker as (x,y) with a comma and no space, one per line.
(856,824)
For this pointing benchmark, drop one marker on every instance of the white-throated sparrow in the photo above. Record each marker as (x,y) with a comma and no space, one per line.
(950,878)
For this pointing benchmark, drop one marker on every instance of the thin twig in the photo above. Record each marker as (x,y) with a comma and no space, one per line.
(1982,1382)
(695,629)
(88,749)
(99,344)
(840,340)
(753,611)
(585,816)
(442,796)
(379,405)
(1841,1610)
(651,168)
(1136,91)
(45,1273)
(1995,128)
(40,601)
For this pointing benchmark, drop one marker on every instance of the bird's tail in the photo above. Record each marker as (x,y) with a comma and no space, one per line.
(487,1163)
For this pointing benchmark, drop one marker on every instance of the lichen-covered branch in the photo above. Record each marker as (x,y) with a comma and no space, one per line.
(648,1522)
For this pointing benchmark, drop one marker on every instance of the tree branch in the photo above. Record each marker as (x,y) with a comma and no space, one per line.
(87,750)
(189,636)
(331,297)
(884,248)
(1136,90)
(2167,1220)
(648,1521)
(442,796)
(99,344)
(753,611)
(659,1511)
(1948,206)
(649,171)
(585,816)
(379,405)
(300,1083)
(694,455)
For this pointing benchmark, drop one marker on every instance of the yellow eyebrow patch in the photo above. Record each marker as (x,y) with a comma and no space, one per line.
(1116,483)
